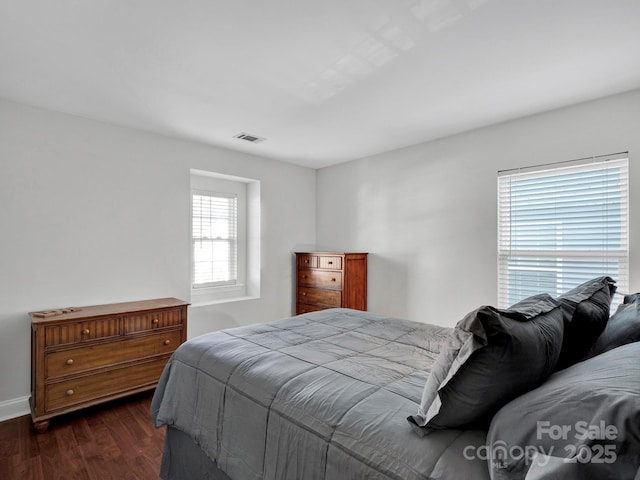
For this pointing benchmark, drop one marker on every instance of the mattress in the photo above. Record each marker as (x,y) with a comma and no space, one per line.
(324,395)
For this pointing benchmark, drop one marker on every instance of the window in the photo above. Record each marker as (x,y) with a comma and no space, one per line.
(215,239)
(560,225)
(225,241)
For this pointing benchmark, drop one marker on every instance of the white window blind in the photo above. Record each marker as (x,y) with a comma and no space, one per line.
(215,240)
(560,225)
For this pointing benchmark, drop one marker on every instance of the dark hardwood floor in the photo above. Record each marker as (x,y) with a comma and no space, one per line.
(112,441)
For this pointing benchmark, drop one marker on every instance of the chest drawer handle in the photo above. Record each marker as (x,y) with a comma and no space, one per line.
(333,279)
(167,342)
(155,321)
(86,331)
(70,361)
(69,392)
(304,294)
(330,263)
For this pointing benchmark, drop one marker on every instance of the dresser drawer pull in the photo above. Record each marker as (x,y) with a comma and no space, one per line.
(330,262)
(167,342)
(304,294)
(333,279)
(70,361)
(86,331)
(69,392)
(155,321)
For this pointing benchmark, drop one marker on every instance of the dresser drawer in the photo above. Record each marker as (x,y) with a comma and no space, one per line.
(307,261)
(331,263)
(153,320)
(75,360)
(320,278)
(82,331)
(304,308)
(90,387)
(318,295)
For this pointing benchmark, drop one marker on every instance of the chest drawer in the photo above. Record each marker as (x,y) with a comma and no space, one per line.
(153,320)
(75,360)
(332,263)
(82,331)
(317,295)
(91,387)
(305,308)
(307,261)
(320,278)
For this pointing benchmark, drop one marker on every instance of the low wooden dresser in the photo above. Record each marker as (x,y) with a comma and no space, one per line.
(330,279)
(94,354)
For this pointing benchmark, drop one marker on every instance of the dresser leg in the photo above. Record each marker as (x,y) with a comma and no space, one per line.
(42,426)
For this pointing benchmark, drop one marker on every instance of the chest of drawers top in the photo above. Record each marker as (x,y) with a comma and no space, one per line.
(101,322)
(112,309)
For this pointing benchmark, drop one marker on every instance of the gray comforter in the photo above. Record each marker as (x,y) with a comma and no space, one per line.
(323,395)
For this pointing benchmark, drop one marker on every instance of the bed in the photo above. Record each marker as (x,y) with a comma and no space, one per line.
(340,394)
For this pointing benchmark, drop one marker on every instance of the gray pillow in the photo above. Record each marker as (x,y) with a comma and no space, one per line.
(582,423)
(586,311)
(623,327)
(491,357)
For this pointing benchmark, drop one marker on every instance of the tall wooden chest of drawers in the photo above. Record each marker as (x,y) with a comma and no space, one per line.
(330,279)
(100,353)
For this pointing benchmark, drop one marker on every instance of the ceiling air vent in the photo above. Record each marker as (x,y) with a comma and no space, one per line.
(249,138)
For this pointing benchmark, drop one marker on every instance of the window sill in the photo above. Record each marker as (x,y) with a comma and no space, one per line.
(204,303)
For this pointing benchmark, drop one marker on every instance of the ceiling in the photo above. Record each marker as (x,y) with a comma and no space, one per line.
(323,81)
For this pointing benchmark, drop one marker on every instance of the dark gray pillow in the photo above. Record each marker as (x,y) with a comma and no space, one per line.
(582,423)
(491,357)
(623,327)
(586,311)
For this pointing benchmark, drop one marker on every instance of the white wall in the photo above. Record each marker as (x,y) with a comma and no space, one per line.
(427,213)
(91,213)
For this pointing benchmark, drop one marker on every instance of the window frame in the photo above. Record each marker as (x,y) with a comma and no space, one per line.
(247,192)
(606,254)
(234,240)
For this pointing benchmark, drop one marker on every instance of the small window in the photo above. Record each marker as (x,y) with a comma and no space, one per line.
(215,239)
(225,240)
(562,224)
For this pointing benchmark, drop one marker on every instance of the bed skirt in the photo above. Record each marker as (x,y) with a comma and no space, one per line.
(184,459)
